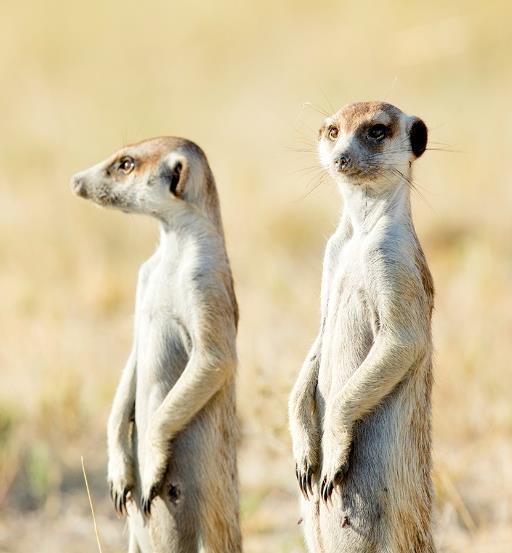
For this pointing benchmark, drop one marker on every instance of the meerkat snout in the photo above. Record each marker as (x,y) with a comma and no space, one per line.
(343,162)
(365,143)
(78,186)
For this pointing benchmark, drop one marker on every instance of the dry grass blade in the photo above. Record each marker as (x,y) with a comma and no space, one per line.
(456,500)
(92,508)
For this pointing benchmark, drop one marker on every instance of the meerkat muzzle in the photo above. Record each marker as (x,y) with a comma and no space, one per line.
(343,163)
(78,186)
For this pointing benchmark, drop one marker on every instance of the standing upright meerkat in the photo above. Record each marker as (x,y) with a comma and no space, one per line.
(172,431)
(360,411)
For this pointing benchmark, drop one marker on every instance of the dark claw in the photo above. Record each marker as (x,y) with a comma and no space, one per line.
(326,491)
(146,501)
(119,499)
(300,478)
(303,485)
(329,491)
(328,487)
(122,503)
(125,495)
(304,478)
(146,507)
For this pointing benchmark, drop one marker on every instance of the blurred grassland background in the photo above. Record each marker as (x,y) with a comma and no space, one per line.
(79,80)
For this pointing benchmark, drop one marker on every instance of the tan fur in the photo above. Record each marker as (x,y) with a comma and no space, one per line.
(172,432)
(360,409)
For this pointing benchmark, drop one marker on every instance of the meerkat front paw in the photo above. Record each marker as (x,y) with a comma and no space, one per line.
(306,463)
(155,465)
(335,454)
(121,480)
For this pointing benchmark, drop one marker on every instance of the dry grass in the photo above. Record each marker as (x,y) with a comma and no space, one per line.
(79,80)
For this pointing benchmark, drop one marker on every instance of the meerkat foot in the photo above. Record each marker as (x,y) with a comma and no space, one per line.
(119,498)
(306,463)
(329,483)
(304,472)
(147,499)
(121,482)
(152,477)
(336,453)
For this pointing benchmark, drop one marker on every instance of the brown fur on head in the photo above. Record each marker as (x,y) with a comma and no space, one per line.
(155,177)
(367,141)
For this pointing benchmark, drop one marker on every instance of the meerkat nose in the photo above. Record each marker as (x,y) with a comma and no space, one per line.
(343,162)
(78,186)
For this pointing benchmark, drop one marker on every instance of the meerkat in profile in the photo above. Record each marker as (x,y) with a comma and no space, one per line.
(360,410)
(172,431)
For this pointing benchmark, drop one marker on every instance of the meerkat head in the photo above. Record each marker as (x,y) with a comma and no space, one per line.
(371,144)
(155,177)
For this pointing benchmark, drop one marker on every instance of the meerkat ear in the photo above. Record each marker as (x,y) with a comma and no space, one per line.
(173,172)
(418,136)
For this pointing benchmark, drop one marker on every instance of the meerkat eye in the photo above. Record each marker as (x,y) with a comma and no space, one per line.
(377,132)
(332,132)
(126,164)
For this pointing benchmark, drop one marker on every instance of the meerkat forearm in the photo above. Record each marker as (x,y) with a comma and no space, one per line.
(302,399)
(384,367)
(201,379)
(302,413)
(123,407)
(400,342)
(121,475)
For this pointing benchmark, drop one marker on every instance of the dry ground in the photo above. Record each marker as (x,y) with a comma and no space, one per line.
(79,80)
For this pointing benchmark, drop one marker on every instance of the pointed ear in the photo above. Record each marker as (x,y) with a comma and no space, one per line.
(173,173)
(418,136)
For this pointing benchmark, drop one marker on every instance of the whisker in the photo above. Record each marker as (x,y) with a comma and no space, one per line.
(300,150)
(315,108)
(312,189)
(413,186)
(329,103)
(449,150)
(308,168)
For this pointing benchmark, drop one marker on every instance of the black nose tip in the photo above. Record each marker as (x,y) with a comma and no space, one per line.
(343,162)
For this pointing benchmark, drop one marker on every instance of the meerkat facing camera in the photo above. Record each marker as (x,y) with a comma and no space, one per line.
(172,431)
(360,410)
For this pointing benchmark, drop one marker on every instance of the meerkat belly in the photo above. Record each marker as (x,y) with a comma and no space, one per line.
(162,353)
(348,337)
